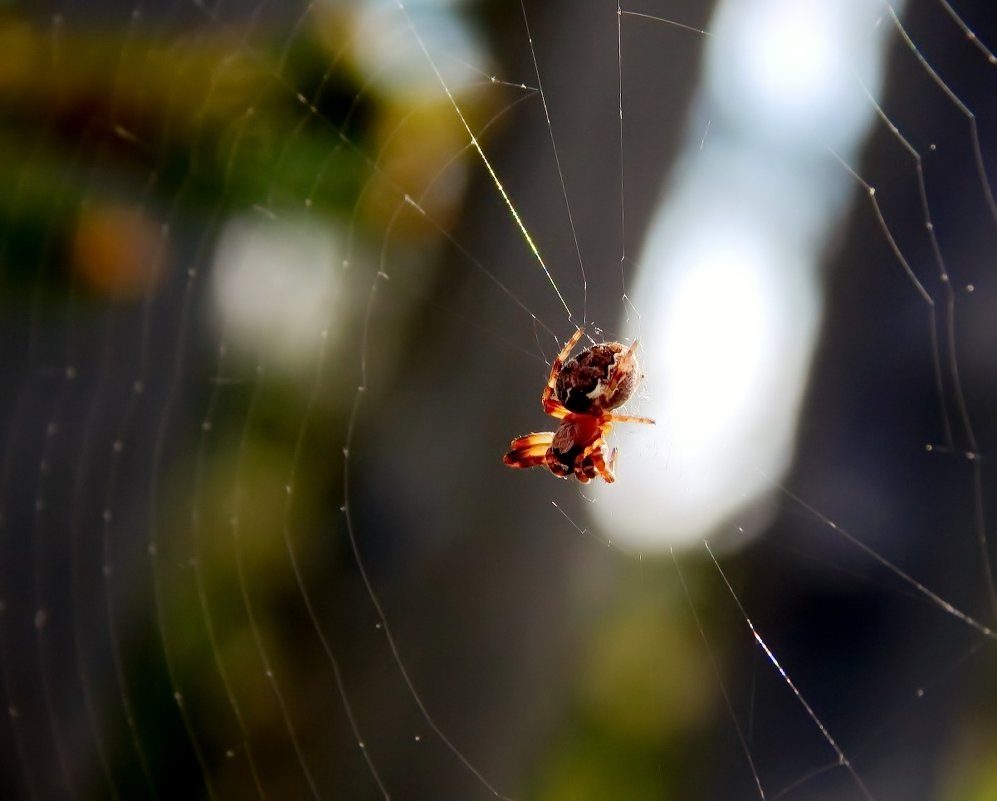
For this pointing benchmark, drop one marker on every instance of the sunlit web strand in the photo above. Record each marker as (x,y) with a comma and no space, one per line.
(110,490)
(125,419)
(80,611)
(292,556)
(352,425)
(158,594)
(265,659)
(42,514)
(936,249)
(932,596)
(121,435)
(240,567)
(382,275)
(805,779)
(623,181)
(417,205)
(842,758)
(963,108)
(662,20)
(557,162)
(719,677)
(968,32)
(374,165)
(953,361)
(162,428)
(202,593)
(116,445)
(620,14)
(891,240)
(153,550)
(410,201)
(179,363)
(484,160)
(362,570)
(244,587)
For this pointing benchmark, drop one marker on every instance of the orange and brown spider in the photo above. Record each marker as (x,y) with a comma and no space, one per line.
(582,393)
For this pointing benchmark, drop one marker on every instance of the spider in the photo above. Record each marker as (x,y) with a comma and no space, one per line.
(582,393)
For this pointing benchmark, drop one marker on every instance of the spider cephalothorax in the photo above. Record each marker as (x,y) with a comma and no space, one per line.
(582,393)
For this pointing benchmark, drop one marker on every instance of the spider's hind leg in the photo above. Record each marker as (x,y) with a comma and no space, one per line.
(529,450)
(604,470)
(592,463)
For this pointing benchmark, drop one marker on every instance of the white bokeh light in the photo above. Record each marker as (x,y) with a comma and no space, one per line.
(387,51)
(725,353)
(729,286)
(275,285)
(785,70)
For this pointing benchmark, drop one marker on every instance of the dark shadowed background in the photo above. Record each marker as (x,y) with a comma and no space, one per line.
(267,326)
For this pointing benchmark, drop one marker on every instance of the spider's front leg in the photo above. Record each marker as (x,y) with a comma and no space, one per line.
(628,418)
(551,404)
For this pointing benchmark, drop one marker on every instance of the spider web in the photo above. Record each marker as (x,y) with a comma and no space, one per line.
(281,281)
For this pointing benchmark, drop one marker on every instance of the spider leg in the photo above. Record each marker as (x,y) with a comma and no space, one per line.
(627,418)
(596,453)
(552,405)
(529,450)
(629,356)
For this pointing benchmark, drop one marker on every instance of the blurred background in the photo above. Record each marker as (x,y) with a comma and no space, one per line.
(268,325)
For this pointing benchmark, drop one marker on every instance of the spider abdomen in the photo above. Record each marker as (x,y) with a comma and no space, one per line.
(586,384)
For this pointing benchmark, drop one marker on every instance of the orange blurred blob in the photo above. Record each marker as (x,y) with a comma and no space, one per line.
(118,252)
